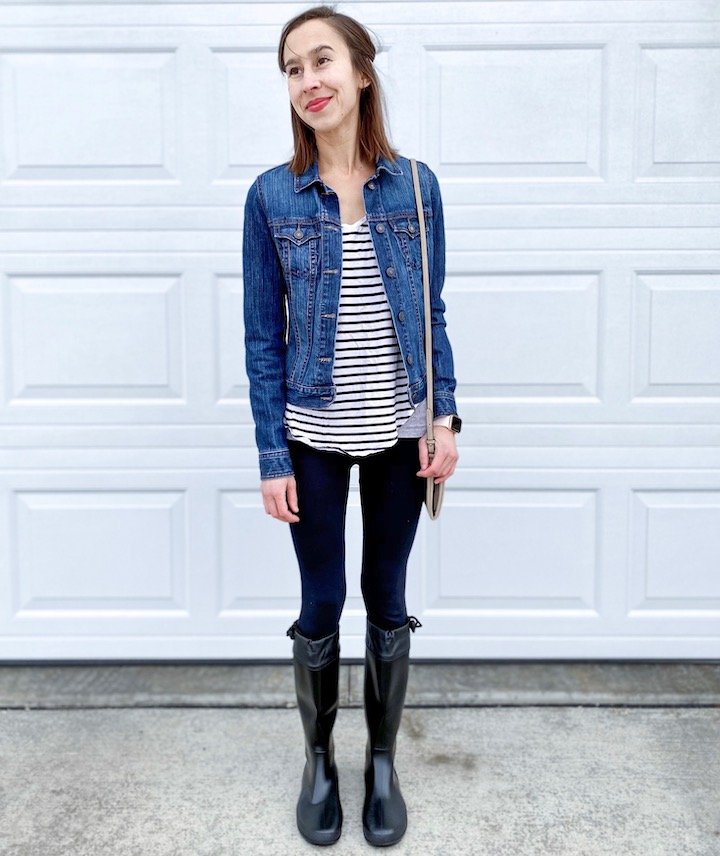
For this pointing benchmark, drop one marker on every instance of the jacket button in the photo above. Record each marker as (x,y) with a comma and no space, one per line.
(411,228)
(401,315)
(298,233)
(409,359)
(371,185)
(380,227)
(391,271)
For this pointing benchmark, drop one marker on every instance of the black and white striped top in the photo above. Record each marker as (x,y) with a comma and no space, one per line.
(371,408)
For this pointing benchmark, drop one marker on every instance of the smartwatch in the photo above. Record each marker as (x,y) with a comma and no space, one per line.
(453,422)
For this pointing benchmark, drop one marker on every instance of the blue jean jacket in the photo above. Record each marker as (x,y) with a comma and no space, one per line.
(292,268)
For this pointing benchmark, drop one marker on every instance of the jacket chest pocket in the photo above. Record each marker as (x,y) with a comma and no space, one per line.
(299,249)
(407,236)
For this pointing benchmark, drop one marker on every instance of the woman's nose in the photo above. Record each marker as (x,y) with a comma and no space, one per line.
(310,81)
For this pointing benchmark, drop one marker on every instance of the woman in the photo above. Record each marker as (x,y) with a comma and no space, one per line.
(334,338)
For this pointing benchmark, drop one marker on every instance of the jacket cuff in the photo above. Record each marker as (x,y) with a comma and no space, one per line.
(444,404)
(275,464)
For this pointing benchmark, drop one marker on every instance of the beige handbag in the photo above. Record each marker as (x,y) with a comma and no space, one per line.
(434,492)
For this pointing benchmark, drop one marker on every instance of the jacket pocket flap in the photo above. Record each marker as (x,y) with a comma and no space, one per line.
(408,225)
(296,234)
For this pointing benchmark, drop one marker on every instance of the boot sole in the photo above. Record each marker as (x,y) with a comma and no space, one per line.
(321,838)
(382,841)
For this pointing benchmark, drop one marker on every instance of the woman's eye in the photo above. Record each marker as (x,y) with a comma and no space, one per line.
(294,68)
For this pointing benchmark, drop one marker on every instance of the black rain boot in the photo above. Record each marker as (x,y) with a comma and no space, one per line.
(317,670)
(387,655)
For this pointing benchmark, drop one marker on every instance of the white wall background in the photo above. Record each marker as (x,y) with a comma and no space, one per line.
(578,150)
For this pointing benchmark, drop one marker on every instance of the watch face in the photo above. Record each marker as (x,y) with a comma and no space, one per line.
(456,424)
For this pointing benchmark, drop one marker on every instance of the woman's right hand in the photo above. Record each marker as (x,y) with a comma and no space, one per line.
(280,498)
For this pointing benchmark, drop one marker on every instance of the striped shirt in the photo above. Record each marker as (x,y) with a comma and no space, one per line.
(371,408)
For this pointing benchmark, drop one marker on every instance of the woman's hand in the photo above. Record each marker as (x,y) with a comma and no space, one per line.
(445,457)
(280,498)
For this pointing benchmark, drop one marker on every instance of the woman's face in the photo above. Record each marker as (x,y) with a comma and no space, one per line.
(323,74)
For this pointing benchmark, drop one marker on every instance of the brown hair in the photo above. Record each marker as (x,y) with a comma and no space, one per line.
(373,139)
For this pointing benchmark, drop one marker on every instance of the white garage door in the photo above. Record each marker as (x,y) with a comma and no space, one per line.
(577,148)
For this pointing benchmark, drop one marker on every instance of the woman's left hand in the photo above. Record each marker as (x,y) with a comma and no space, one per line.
(444,459)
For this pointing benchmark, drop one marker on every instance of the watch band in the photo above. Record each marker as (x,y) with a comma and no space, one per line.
(451,421)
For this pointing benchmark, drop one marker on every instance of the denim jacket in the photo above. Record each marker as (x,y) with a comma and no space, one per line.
(292,268)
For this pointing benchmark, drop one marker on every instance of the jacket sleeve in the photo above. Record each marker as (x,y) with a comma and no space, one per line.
(265,318)
(444,381)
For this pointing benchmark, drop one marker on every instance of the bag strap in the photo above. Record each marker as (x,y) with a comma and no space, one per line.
(428,319)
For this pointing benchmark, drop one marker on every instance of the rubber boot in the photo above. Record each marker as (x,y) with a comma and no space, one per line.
(317,669)
(387,655)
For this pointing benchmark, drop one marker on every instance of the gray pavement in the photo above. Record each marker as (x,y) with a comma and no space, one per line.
(432,684)
(522,780)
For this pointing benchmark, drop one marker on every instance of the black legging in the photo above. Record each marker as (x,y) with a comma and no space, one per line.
(391,497)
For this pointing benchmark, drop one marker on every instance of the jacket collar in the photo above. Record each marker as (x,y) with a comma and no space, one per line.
(312,173)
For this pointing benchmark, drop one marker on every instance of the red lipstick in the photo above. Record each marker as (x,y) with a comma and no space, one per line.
(317,104)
